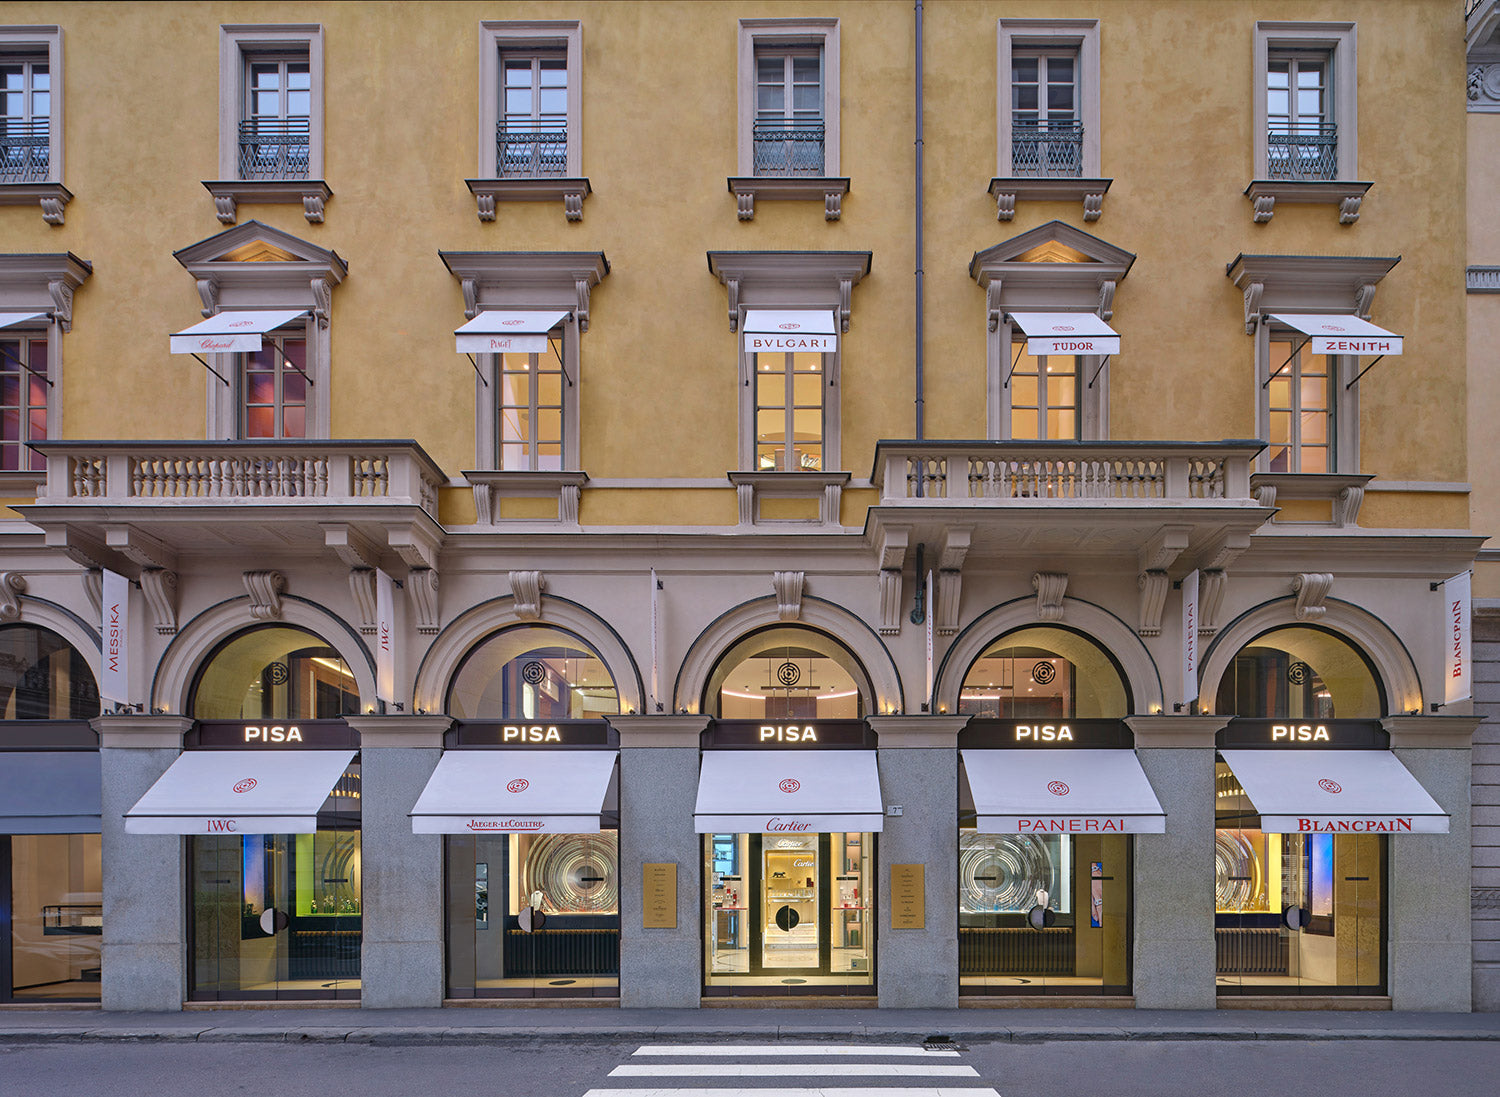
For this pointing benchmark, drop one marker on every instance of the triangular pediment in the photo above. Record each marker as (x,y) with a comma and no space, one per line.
(254,242)
(1054,242)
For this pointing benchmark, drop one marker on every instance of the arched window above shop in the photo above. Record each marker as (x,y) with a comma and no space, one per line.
(43,677)
(1044,673)
(274,672)
(533,672)
(788,673)
(1300,672)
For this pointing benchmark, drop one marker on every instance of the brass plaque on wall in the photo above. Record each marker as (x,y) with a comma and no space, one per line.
(659,895)
(908,904)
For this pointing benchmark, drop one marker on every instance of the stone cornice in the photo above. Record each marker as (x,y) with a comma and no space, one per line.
(400,730)
(141,731)
(1181,732)
(1431,732)
(681,732)
(930,732)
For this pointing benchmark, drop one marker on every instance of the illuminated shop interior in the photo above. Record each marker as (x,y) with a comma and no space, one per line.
(788,673)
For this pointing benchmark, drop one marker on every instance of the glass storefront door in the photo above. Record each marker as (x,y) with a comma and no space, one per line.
(51,917)
(788,913)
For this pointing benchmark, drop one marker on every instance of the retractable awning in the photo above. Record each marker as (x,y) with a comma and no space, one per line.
(10,319)
(1335,791)
(790,330)
(788,791)
(1341,334)
(1062,792)
(50,792)
(505,331)
(239,792)
(1066,333)
(231,331)
(515,791)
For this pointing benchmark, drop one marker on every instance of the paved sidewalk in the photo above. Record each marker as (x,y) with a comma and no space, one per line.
(606,1024)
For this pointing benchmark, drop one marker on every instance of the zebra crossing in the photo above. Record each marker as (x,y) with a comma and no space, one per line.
(793,1070)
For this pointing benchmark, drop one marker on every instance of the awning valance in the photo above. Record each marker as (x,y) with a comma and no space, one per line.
(788,791)
(1340,334)
(49,792)
(515,791)
(1062,791)
(1335,791)
(231,331)
(239,792)
(1066,333)
(790,330)
(504,331)
(11,319)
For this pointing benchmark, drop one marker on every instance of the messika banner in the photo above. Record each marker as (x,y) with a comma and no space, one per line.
(385,637)
(1190,638)
(114,685)
(1458,677)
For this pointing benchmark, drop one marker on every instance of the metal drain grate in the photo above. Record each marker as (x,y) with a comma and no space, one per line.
(940,1043)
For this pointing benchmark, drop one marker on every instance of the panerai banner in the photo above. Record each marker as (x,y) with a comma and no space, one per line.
(114,683)
(385,638)
(1190,638)
(1458,644)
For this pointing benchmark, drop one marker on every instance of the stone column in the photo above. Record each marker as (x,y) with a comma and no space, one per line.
(144,960)
(918,758)
(658,790)
(1175,961)
(401,949)
(1429,931)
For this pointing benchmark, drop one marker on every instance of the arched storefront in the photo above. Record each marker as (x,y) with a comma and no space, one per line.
(788,808)
(1050,795)
(51,901)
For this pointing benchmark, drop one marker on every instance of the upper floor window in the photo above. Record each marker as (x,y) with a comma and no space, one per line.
(1048,111)
(789,130)
(533,412)
(1300,408)
(25,119)
(24,399)
(532,139)
(271,103)
(1305,117)
(1044,394)
(789,411)
(274,387)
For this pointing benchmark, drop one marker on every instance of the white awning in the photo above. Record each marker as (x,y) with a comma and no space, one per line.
(1066,333)
(239,792)
(10,319)
(790,330)
(1062,792)
(50,792)
(1341,334)
(231,331)
(1335,791)
(524,791)
(788,791)
(504,331)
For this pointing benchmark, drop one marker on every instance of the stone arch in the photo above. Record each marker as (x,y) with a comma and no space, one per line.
(818,615)
(1387,654)
(1103,627)
(67,624)
(441,662)
(193,643)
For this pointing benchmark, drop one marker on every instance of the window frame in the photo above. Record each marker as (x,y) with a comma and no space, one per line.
(32,43)
(1053,36)
(500,37)
(239,46)
(25,335)
(1339,43)
(1086,411)
(758,34)
(296,331)
(1343,402)
(490,440)
(789,407)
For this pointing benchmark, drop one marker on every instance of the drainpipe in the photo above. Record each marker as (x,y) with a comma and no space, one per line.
(919,273)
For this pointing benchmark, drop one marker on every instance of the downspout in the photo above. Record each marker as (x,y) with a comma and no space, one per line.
(919,196)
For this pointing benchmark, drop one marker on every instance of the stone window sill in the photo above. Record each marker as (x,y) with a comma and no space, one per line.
(229,193)
(572,192)
(1007,192)
(1344,492)
(1265,193)
(747,188)
(52,197)
(493,486)
(822,488)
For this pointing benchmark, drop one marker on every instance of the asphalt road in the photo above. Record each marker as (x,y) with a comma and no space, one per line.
(1115,1068)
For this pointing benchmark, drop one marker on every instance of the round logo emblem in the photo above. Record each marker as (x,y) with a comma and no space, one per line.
(1063,327)
(1057,788)
(1043,672)
(533,672)
(1298,673)
(1329,785)
(788,674)
(791,327)
(244,786)
(241,324)
(520,784)
(512,323)
(279,674)
(791,784)
(1334,327)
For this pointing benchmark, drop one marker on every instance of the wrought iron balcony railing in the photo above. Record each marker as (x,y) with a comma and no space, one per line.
(1302,150)
(1051,151)
(788,149)
(25,150)
(275,148)
(530,153)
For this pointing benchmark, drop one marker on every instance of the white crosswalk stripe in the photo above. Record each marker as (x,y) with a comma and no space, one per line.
(686,1050)
(809,1070)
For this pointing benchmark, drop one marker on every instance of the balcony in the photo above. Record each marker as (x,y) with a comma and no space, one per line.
(788,150)
(1304,151)
(531,165)
(1053,151)
(25,150)
(274,148)
(530,153)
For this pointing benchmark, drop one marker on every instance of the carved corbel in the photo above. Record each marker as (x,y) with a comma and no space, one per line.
(732,285)
(582,311)
(225,208)
(1252,305)
(1363,299)
(1005,206)
(1093,206)
(208,293)
(1162,550)
(353,548)
(833,205)
(1346,505)
(1223,551)
(53,206)
(951,554)
(312,208)
(573,205)
(745,205)
(526,587)
(1311,589)
(788,586)
(362,587)
(62,303)
(1153,585)
(12,586)
(1050,588)
(264,588)
(422,586)
(1211,587)
(892,559)
(484,205)
(1265,495)
(471,298)
(846,287)
(93,590)
(322,302)
(160,588)
(992,303)
(1349,208)
(414,544)
(1265,208)
(1107,299)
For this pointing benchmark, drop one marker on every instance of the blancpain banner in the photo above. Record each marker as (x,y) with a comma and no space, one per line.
(1458,676)
(114,685)
(1190,638)
(385,637)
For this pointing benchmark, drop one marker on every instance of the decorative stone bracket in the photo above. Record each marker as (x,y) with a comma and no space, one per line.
(1154,585)
(1050,588)
(527,587)
(951,554)
(788,586)
(422,588)
(265,589)
(746,189)
(12,586)
(312,194)
(53,198)
(160,588)
(1265,193)
(1311,589)
(1007,191)
(892,560)
(488,193)
(362,588)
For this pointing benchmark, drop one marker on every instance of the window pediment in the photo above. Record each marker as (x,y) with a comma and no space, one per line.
(1316,283)
(42,283)
(1051,267)
(254,265)
(516,279)
(799,279)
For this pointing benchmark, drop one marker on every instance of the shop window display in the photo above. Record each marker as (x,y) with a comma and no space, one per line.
(42,677)
(788,674)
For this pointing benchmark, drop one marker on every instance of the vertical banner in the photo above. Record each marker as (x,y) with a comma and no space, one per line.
(654,705)
(931,613)
(1458,643)
(1190,639)
(385,638)
(115,684)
